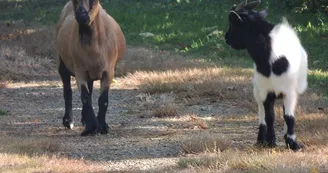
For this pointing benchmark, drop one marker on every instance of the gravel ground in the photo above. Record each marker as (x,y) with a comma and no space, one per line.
(134,143)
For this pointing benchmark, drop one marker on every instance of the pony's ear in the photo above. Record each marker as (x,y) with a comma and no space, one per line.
(264,13)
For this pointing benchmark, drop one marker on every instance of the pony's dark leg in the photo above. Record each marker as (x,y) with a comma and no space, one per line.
(90,87)
(91,123)
(66,79)
(103,102)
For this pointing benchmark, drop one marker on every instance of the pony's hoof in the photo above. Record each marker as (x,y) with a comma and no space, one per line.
(68,125)
(266,144)
(90,131)
(83,121)
(104,129)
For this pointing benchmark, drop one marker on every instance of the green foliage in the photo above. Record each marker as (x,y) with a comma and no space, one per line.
(190,27)
(307,5)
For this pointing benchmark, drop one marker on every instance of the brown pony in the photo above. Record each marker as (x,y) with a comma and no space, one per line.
(89,43)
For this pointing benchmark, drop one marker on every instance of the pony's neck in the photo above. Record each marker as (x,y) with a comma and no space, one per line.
(88,32)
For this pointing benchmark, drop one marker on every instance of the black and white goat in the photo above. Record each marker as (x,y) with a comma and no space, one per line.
(280,67)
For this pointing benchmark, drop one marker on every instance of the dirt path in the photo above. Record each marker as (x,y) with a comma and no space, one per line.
(133,143)
(37,111)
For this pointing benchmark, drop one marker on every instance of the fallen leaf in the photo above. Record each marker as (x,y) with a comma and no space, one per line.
(147,34)
(194,118)
(203,125)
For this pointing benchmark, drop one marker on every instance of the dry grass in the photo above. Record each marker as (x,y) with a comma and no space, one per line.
(313,130)
(36,41)
(142,59)
(206,142)
(224,83)
(3,83)
(13,163)
(18,65)
(26,53)
(257,161)
(160,106)
(166,111)
(29,53)
(186,122)
(28,145)
(31,154)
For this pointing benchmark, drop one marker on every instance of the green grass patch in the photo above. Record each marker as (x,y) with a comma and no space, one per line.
(318,80)
(190,27)
(194,28)
(3,112)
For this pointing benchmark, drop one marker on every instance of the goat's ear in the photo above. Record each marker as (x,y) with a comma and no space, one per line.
(233,7)
(264,13)
(253,5)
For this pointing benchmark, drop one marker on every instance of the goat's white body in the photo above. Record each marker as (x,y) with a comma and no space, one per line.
(285,42)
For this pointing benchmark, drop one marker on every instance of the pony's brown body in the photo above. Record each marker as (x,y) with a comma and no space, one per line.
(89,51)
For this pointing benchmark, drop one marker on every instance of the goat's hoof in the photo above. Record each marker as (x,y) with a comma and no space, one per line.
(104,129)
(68,124)
(294,145)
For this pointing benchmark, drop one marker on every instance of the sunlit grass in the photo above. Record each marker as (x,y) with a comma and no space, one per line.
(12,163)
(205,142)
(254,160)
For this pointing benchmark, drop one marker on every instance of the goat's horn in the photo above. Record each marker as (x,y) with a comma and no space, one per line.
(236,15)
(240,6)
(253,4)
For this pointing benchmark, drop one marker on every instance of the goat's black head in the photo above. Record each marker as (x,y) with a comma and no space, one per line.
(82,10)
(242,23)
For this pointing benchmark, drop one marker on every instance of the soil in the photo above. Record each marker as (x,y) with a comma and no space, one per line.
(135,142)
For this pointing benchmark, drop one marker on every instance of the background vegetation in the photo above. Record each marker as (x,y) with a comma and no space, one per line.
(193,27)
(187,26)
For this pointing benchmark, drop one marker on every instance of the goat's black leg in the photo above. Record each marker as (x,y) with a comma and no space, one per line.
(103,102)
(90,87)
(91,123)
(290,100)
(261,138)
(66,79)
(269,119)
